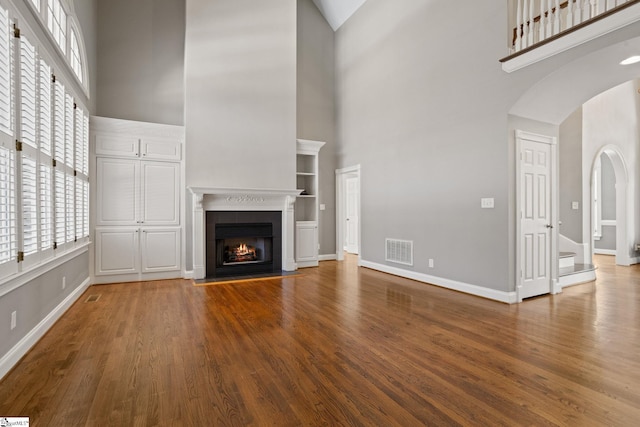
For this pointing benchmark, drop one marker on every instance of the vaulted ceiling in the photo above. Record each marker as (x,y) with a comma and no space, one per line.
(336,12)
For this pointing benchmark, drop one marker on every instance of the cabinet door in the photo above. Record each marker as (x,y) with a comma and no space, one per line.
(160,193)
(160,249)
(306,241)
(117,191)
(117,145)
(160,149)
(117,250)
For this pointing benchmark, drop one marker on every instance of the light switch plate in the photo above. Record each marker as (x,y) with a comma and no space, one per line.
(487,203)
(322,206)
(575,205)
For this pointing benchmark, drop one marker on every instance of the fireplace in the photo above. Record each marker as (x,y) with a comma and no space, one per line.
(240,243)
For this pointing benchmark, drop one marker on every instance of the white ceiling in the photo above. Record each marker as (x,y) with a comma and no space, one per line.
(336,12)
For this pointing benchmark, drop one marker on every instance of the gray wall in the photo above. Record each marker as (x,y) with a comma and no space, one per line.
(35,300)
(141,60)
(316,108)
(241,93)
(87,14)
(570,148)
(424,108)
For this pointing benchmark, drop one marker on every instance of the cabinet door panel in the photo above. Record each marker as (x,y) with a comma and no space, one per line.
(160,250)
(161,193)
(306,241)
(117,145)
(161,149)
(117,192)
(117,251)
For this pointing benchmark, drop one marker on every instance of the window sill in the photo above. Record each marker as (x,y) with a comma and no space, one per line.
(13,282)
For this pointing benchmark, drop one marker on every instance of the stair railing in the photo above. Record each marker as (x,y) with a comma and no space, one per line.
(540,20)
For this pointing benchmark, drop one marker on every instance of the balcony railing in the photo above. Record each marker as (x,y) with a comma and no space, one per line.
(540,22)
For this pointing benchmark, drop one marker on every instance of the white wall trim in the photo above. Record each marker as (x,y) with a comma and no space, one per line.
(604,251)
(327,257)
(507,297)
(17,352)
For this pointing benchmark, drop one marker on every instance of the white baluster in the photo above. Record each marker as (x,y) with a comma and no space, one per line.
(569,14)
(556,18)
(577,12)
(601,6)
(549,30)
(593,8)
(542,23)
(530,21)
(518,41)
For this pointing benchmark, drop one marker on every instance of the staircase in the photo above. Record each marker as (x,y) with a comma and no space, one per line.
(571,273)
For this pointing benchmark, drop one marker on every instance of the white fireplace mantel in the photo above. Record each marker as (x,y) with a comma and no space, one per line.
(242,199)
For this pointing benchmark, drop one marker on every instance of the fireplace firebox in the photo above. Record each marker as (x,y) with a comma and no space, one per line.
(243,243)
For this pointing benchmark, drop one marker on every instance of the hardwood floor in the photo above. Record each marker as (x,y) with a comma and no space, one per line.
(336,346)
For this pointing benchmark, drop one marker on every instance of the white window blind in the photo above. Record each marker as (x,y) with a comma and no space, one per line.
(46,207)
(44,108)
(79,141)
(79,232)
(70,211)
(29,206)
(85,144)
(59,121)
(7,206)
(59,207)
(6,80)
(69,134)
(28,80)
(85,208)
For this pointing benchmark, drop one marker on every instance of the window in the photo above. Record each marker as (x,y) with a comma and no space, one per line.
(6,98)
(44,147)
(57,23)
(36,4)
(75,58)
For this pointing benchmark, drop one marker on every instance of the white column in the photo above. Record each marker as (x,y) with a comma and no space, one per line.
(199,270)
(288,227)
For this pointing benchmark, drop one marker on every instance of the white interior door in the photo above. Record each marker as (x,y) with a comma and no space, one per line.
(536,218)
(352,218)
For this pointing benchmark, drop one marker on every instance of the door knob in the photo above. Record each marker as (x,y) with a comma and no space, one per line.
(549,226)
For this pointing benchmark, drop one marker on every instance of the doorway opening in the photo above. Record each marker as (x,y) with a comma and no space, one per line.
(348,211)
(609,204)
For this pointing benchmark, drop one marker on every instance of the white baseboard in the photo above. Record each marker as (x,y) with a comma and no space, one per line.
(187,274)
(507,297)
(604,251)
(17,352)
(327,257)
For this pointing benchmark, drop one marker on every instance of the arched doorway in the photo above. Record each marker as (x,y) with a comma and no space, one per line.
(623,241)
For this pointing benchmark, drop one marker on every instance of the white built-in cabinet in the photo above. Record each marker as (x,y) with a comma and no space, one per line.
(138,182)
(306,208)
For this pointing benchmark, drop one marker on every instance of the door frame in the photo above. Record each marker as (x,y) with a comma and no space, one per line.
(341,211)
(554,285)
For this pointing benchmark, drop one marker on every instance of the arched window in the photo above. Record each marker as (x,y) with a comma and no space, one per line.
(57,23)
(75,56)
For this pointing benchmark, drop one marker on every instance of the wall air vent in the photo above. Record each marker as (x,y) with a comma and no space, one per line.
(399,251)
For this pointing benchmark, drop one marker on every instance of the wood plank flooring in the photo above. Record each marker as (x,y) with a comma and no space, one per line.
(338,345)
